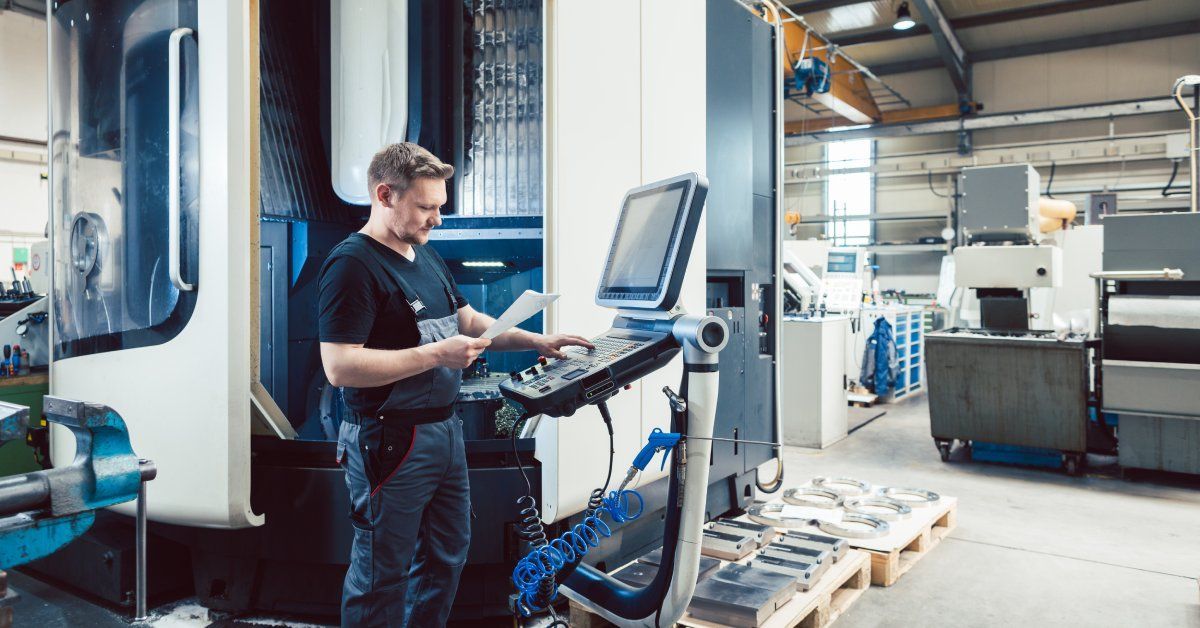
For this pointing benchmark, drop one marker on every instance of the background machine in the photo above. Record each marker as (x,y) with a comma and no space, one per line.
(199,177)
(1150,325)
(1013,387)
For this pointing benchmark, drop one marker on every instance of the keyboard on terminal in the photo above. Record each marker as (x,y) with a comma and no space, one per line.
(557,387)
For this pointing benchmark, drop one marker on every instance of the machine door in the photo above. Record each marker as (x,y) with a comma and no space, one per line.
(126,174)
(145,301)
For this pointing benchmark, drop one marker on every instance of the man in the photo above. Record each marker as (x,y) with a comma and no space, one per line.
(395,333)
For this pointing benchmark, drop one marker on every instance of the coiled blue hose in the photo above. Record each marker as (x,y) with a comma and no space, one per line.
(534,574)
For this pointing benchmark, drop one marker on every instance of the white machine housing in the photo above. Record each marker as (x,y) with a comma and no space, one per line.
(814,389)
(368,75)
(195,418)
(1018,266)
(803,281)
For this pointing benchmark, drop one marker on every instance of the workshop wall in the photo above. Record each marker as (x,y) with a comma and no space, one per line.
(24,204)
(1133,156)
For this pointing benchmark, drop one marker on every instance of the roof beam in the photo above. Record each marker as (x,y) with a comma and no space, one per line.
(809,126)
(815,6)
(951,50)
(1102,111)
(1141,33)
(981,19)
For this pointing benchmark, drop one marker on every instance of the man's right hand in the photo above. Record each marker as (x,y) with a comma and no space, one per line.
(458,352)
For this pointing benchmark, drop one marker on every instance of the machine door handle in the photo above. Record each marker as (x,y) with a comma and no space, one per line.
(173,223)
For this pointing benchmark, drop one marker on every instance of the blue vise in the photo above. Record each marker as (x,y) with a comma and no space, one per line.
(42,511)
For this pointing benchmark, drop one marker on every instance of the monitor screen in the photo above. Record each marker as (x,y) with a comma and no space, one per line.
(655,228)
(841,262)
(639,254)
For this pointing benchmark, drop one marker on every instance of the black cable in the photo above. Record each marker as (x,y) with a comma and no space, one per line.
(517,455)
(1171,181)
(1053,167)
(612,449)
(935,192)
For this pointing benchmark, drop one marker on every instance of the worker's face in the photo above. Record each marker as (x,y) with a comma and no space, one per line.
(411,215)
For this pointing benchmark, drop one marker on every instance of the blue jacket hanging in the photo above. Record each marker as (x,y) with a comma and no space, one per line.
(879,359)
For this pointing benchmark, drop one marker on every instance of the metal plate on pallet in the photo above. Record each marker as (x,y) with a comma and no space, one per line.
(725,545)
(733,604)
(802,554)
(836,547)
(760,578)
(707,565)
(762,533)
(805,574)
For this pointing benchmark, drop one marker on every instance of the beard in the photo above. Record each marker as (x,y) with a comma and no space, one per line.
(416,237)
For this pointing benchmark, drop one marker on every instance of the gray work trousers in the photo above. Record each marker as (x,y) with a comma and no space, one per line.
(411,511)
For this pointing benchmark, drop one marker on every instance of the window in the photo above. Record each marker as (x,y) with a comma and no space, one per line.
(849,193)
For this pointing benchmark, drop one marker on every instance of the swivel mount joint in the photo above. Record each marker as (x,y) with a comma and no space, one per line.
(702,338)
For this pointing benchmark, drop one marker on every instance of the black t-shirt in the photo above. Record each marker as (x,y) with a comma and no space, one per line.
(360,302)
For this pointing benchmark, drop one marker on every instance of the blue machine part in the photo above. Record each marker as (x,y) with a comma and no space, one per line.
(42,511)
(1016,454)
(24,539)
(811,76)
(538,574)
(535,574)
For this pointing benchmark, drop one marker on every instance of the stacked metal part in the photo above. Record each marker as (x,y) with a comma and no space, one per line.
(502,169)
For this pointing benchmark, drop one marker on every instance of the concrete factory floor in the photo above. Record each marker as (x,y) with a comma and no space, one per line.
(1032,548)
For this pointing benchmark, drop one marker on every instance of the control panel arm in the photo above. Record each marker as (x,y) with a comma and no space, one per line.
(664,600)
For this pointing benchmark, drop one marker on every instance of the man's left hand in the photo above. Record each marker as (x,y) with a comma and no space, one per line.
(550,345)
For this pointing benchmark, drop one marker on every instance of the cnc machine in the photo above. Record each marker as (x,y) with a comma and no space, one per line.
(205,157)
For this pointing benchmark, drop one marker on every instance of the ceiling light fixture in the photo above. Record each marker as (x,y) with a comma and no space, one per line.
(484,264)
(904,20)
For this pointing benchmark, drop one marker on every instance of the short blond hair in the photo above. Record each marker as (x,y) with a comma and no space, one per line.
(399,164)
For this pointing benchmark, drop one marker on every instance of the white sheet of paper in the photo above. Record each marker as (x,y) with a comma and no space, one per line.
(832,515)
(526,305)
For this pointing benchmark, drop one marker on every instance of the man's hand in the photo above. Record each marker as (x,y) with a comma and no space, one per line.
(550,345)
(458,352)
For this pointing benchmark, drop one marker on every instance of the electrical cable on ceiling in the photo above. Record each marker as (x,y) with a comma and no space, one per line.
(1166,191)
(1053,167)
(935,192)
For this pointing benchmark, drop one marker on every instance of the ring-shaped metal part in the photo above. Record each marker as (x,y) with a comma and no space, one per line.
(925,498)
(846,487)
(831,499)
(899,510)
(772,515)
(877,527)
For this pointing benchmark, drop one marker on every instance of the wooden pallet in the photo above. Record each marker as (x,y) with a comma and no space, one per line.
(834,593)
(910,540)
(862,400)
